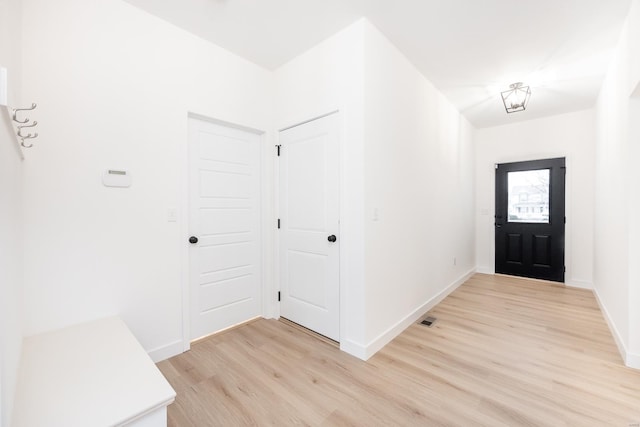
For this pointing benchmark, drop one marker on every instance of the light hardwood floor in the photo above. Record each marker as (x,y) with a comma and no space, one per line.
(503,352)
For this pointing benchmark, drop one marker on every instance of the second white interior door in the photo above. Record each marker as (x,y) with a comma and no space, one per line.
(309,214)
(224,217)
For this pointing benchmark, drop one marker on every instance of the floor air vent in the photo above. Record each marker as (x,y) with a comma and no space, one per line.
(428,321)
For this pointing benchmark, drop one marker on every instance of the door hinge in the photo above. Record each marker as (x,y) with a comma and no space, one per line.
(564,269)
(278,148)
(278,223)
(565,219)
(278,295)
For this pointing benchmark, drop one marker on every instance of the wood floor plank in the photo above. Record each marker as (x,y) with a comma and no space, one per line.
(504,352)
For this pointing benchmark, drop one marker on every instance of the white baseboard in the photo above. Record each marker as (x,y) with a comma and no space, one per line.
(166,351)
(354,349)
(485,270)
(386,337)
(581,284)
(631,360)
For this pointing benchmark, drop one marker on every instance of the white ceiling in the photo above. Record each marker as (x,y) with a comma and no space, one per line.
(469,49)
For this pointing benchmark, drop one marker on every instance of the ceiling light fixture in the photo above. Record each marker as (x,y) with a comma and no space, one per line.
(516,98)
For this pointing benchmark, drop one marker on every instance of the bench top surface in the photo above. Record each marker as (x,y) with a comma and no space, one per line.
(95,373)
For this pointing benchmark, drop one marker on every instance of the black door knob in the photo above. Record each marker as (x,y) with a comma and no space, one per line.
(332,238)
(193,240)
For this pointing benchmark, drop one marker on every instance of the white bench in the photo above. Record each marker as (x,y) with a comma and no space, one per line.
(93,374)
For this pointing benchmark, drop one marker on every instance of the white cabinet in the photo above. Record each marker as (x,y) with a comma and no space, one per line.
(93,374)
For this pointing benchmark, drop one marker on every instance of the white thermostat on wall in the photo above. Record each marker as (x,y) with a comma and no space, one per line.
(116,178)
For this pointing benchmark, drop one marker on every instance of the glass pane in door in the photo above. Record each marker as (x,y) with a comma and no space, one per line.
(529,196)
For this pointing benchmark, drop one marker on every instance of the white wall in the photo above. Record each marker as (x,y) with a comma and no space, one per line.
(567,135)
(616,278)
(633,37)
(114,86)
(327,78)
(419,192)
(399,137)
(11,253)
(634,231)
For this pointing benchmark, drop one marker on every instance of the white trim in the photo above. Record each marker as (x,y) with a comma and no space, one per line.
(322,116)
(580,284)
(612,327)
(183,157)
(268,229)
(166,351)
(631,360)
(342,260)
(353,348)
(347,345)
(386,337)
(485,270)
(224,123)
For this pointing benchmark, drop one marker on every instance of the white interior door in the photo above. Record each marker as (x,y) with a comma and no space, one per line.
(309,214)
(224,216)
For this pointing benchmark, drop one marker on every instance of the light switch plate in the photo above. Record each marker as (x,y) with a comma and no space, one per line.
(172,215)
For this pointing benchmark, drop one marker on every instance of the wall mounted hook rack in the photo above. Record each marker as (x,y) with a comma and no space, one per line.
(23,124)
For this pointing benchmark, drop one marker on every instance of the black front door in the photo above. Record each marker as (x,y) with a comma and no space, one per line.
(530,218)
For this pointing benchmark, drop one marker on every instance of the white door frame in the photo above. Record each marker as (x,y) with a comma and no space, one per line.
(185,226)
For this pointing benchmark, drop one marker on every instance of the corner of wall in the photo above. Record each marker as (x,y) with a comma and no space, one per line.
(631,360)
(166,351)
(11,214)
(616,237)
(387,336)
(326,78)
(580,284)
(353,348)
